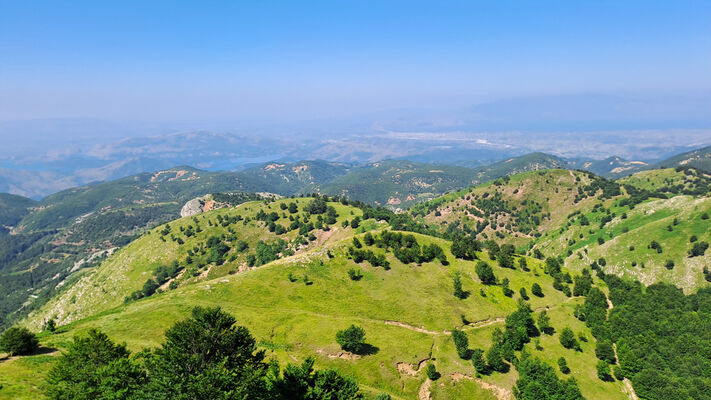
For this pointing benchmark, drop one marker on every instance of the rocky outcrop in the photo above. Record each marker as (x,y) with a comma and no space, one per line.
(193,207)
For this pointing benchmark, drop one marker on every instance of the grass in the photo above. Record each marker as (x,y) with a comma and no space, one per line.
(293,320)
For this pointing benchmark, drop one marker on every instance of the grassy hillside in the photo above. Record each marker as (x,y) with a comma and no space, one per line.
(296,304)
(517,209)
(583,218)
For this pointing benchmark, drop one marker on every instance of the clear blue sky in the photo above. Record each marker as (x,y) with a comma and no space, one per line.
(167,60)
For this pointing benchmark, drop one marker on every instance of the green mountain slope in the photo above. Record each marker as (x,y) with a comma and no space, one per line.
(582,218)
(12,209)
(295,305)
(699,158)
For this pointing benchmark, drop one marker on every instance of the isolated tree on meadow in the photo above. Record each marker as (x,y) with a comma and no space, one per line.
(18,341)
(352,339)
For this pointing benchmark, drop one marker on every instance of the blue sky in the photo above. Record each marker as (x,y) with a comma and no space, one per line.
(174,60)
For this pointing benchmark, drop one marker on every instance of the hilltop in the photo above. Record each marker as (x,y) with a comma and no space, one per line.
(585,219)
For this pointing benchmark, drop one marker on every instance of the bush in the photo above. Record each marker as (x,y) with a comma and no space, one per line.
(536,290)
(352,339)
(604,351)
(485,273)
(457,282)
(603,371)
(355,274)
(567,339)
(18,341)
(432,372)
(461,342)
(563,365)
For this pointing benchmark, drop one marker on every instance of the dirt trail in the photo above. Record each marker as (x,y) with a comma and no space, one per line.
(413,328)
(424,393)
(407,368)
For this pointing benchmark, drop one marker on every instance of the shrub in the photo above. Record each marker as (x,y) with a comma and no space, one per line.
(567,339)
(485,273)
(18,341)
(536,290)
(352,339)
(461,342)
(603,371)
(432,372)
(563,365)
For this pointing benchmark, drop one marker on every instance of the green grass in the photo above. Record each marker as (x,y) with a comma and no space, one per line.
(293,320)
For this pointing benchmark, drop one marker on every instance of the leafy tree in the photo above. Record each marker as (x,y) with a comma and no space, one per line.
(302,382)
(457,282)
(207,357)
(495,359)
(505,287)
(698,249)
(603,371)
(461,342)
(50,325)
(523,264)
(432,373)
(536,290)
(567,339)
(352,339)
(485,273)
(583,283)
(538,381)
(544,323)
(95,368)
(316,206)
(505,260)
(563,365)
(355,274)
(479,363)
(383,396)
(18,341)
(523,293)
(605,351)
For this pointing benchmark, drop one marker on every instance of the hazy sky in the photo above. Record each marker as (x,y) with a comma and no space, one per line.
(182,60)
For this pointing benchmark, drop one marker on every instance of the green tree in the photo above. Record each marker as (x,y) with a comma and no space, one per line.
(352,339)
(496,360)
(603,371)
(461,343)
(538,381)
(302,382)
(479,363)
(544,323)
(568,340)
(505,288)
(604,351)
(18,341)
(485,273)
(457,282)
(207,357)
(94,367)
(432,372)
(536,290)
(563,365)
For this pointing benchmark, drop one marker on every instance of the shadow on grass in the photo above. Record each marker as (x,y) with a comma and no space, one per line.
(367,350)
